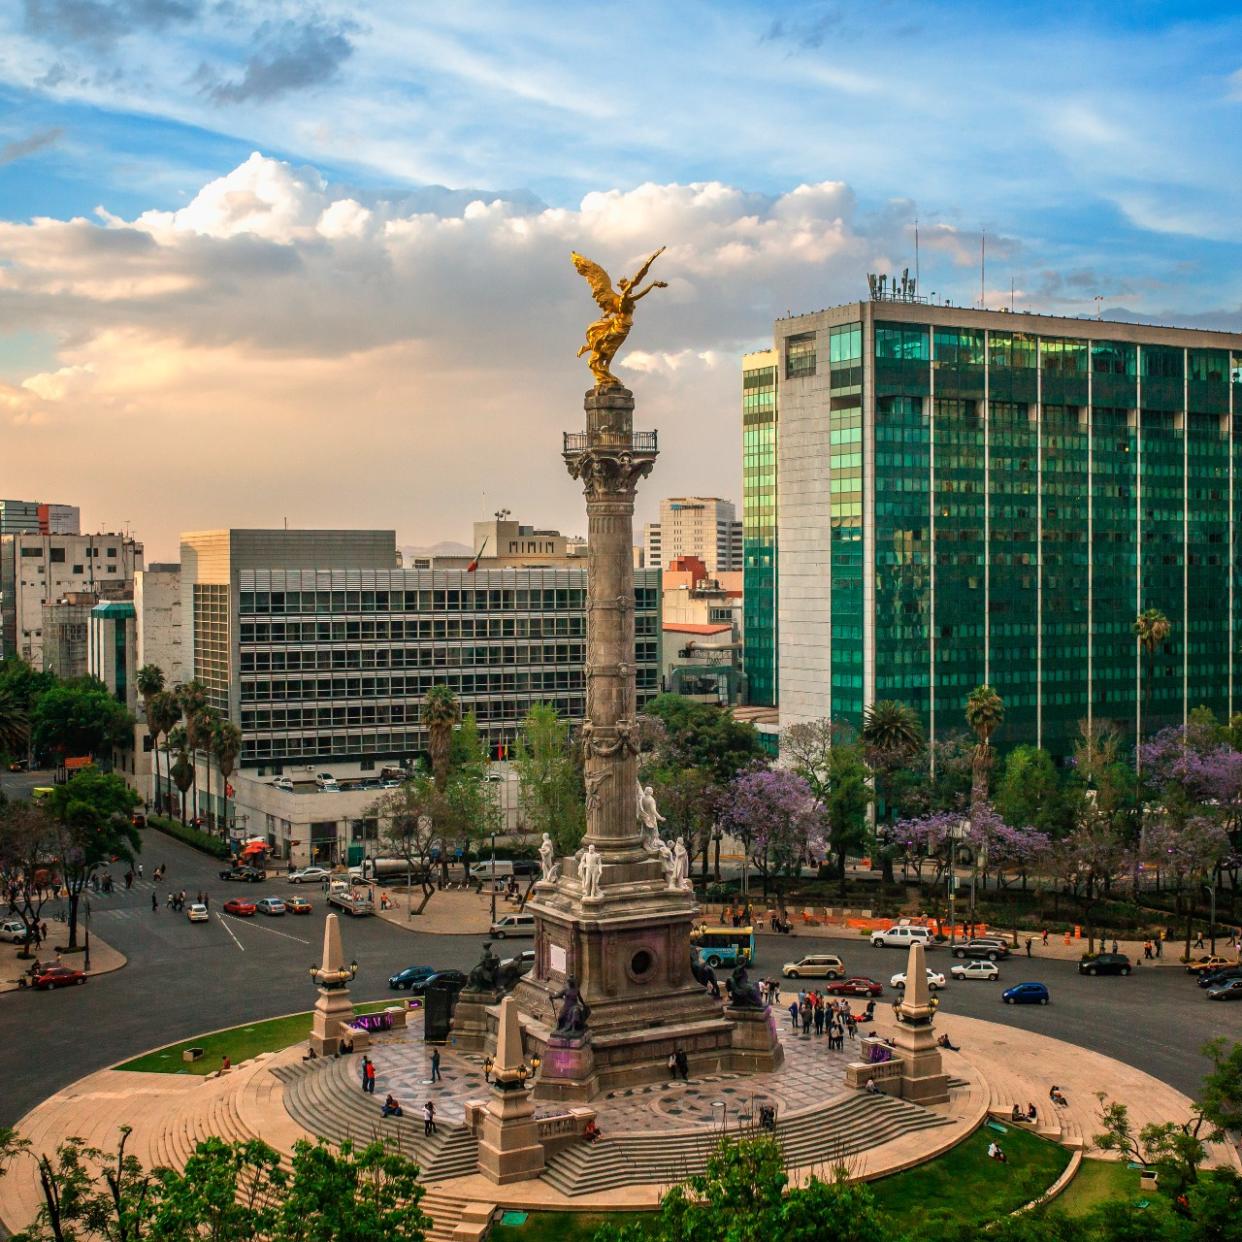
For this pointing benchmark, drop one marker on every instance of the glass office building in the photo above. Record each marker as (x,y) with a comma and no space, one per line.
(759,434)
(977,496)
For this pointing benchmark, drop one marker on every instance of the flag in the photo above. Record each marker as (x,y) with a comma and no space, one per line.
(474,564)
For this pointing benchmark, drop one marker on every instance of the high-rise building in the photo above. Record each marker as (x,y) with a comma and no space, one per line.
(759,437)
(702,526)
(971,496)
(30,517)
(40,569)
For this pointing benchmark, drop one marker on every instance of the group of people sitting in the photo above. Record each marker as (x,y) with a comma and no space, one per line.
(995,1152)
(1056,1097)
(1018,1116)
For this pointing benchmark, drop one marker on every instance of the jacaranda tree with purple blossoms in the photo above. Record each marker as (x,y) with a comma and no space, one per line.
(1188,853)
(774,814)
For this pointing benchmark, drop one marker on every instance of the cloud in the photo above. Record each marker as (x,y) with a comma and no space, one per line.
(291,57)
(99,24)
(22,147)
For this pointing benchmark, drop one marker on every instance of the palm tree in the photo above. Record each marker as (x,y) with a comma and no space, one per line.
(441,712)
(163,711)
(985,711)
(206,729)
(193,697)
(150,681)
(183,770)
(226,741)
(891,736)
(1152,629)
(14,724)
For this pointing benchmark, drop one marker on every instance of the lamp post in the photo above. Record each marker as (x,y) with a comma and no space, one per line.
(493,873)
(1211,889)
(956,835)
(86,957)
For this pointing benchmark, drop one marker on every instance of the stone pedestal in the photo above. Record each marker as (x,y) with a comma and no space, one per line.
(509,1146)
(756,1045)
(471,1028)
(567,1070)
(923,1080)
(333,1010)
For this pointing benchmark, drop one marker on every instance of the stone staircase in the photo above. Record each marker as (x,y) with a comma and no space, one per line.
(323,1097)
(1007,1088)
(847,1124)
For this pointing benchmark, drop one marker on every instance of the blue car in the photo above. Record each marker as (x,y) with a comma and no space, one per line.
(1025,994)
(410,976)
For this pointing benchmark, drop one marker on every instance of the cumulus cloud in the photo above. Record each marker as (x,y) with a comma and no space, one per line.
(290,56)
(98,24)
(19,148)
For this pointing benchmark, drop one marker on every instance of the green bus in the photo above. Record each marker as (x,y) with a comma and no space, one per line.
(723,946)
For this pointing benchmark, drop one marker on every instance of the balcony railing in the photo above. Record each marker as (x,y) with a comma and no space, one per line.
(636,442)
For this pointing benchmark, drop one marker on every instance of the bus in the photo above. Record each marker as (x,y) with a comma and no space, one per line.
(723,946)
(41,793)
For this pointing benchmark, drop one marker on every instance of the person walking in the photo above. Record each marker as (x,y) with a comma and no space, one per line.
(793,1015)
(429,1119)
(140,871)
(1045,937)
(1115,949)
(367,1071)
(435,1065)
(155,904)
(1029,942)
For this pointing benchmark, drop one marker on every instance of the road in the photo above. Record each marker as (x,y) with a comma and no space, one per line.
(183,979)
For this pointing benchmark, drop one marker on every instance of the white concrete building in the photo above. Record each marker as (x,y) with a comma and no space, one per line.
(702,526)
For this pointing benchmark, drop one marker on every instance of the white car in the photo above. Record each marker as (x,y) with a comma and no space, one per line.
(328,782)
(197,913)
(308,875)
(13,930)
(934,980)
(976,970)
(283,782)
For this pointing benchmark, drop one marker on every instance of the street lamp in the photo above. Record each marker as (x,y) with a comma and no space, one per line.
(1211,888)
(86,958)
(956,835)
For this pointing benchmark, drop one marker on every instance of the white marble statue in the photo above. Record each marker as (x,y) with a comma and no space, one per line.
(590,868)
(650,818)
(681,865)
(669,863)
(547,860)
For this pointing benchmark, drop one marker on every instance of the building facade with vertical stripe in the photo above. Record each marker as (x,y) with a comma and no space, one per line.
(966,496)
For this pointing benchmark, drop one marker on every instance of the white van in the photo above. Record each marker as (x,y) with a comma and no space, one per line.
(501,868)
(902,937)
(513,925)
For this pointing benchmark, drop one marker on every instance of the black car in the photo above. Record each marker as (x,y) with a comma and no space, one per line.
(526,866)
(249,875)
(991,950)
(1210,979)
(409,976)
(453,979)
(1105,964)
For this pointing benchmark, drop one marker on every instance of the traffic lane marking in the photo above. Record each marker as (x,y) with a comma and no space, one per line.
(250,921)
(224,922)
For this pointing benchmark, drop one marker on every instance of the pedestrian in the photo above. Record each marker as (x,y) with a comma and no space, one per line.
(806,1016)
(819,1019)
(1029,942)
(1045,937)
(1159,944)
(129,879)
(155,904)
(1115,949)
(429,1119)
(793,1015)
(140,871)
(435,1065)
(362,1071)
(1199,941)
(683,1064)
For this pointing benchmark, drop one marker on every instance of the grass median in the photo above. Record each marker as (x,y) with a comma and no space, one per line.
(238,1043)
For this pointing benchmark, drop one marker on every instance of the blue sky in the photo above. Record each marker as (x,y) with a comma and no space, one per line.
(1097,144)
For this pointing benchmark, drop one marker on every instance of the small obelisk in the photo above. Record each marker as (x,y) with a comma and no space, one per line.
(509,1147)
(923,1079)
(333,1008)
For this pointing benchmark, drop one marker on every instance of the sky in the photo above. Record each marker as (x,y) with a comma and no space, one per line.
(265,261)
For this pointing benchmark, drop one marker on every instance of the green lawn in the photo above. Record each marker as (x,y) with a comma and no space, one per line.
(964,1185)
(1096,1182)
(565,1226)
(239,1043)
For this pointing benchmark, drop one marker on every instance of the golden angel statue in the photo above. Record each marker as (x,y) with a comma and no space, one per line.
(607,334)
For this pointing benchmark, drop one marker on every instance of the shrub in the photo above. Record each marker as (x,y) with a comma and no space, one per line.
(194,837)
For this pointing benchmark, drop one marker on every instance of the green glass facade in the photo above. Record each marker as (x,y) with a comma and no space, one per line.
(759,432)
(1031,493)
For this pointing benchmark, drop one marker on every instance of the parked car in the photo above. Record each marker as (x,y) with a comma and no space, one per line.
(13,930)
(1210,979)
(1105,964)
(327,782)
(501,868)
(247,875)
(57,977)
(976,970)
(308,875)
(239,906)
(815,966)
(405,979)
(1231,989)
(902,936)
(197,913)
(982,949)
(283,782)
(1026,994)
(445,978)
(1208,963)
(513,925)
(297,905)
(270,905)
(859,985)
(18,765)
(934,979)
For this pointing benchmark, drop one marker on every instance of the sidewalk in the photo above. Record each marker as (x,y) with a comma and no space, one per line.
(104,958)
(450,912)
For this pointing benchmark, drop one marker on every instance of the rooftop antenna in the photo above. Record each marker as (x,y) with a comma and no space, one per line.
(983,253)
(1099,304)
(1011,295)
(501,514)
(916,251)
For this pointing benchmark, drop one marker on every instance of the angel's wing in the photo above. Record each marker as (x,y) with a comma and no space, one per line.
(597,278)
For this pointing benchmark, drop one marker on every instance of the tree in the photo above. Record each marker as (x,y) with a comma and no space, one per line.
(1030,792)
(27,854)
(700,735)
(1085,861)
(1189,852)
(192,695)
(226,741)
(687,800)
(549,780)
(14,724)
(774,813)
(985,711)
(93,814)
(79,718)
(407,818)
(182,773)
(1151,631)
(440,713)
(163,713)
(892,738)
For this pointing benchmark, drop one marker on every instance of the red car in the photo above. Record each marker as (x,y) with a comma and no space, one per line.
(239,906)
(859,986)
(57,977)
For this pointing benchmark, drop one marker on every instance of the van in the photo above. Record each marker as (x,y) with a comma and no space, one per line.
(513,925)
(815,966)
(501,868)
(902,937)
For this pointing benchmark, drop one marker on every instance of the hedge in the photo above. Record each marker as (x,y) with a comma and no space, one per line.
(190,836)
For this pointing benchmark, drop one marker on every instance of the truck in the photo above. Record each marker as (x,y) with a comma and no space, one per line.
(353,901)
(384,870)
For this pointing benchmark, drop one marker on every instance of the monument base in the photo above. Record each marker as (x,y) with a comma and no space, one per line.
(567,1072)
(923,1080)
(333,1010)
(756,1045)
(469,1030)
(509,1146)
